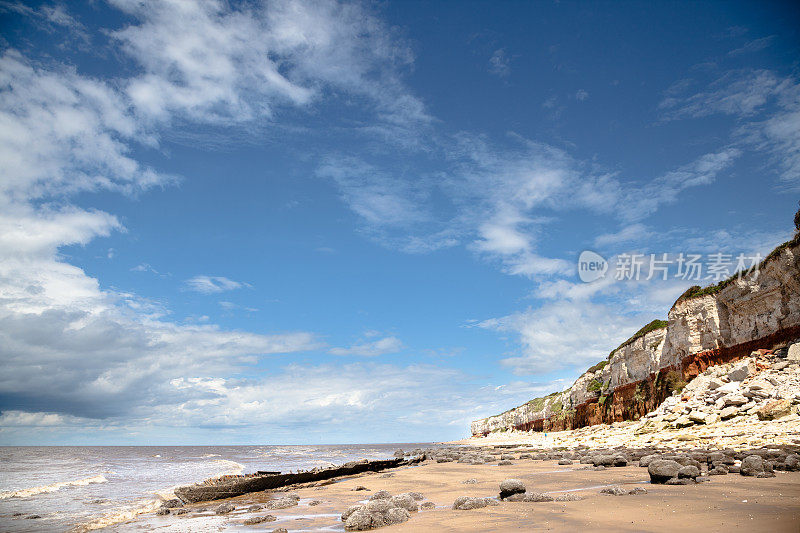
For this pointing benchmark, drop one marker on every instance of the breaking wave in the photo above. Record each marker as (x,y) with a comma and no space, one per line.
(26,493)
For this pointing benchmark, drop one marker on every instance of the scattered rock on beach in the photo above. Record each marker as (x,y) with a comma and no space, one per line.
(380,495)
(614,490)
(662,470)
(509,487)
(359,487)
(172,503)
(427,505)
(259,520)
(753,465)
(162,511)
(467,503)
(179,511)
(374,514)
(470,481)
(281,503)
(225,508)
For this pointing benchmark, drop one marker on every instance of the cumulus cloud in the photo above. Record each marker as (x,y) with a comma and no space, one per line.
(499,63)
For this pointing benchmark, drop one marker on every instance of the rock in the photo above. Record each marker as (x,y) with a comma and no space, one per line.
(172,504)
(375,514)
(509,487)
(162,511)
(638,490)
(793,354)
(734,399)
(350,510)
(537,497)
(718,470)
(662,470)
(225,508)
(766,474)
(688,471)
(359,487)
(568,498)
(427,505)
(466,503)
(614,490)
(281,503)
(404,501)
(565,461)
(380,495)
(470,481)
(684,422)
(775,409)
(259,520)
(680,481)
(647,459)
(792,462)
(313,503)
(33,516)
(280,530)
(179,510)
(728,412)
(504,463)
(740,371)
(752,465)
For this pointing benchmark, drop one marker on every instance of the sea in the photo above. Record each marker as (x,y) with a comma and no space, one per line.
(90,488)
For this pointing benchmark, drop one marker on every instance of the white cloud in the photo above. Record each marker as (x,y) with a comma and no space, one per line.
(581,95)
(212,62)
(372,348)
(499,63)
(212,284)
(562,335)
(629,233)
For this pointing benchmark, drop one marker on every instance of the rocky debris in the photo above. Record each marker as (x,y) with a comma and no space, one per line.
(662,470)
(375,514)
(172,504)
(467,503)
(509,487)
(225,508)
(774,410)
(755,465)
(614,490)
(259,520)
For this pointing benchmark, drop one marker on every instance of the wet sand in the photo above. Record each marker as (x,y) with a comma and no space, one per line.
(724,503)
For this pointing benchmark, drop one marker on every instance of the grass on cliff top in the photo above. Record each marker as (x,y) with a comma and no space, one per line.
(652,326)
(695,291)
(537,404)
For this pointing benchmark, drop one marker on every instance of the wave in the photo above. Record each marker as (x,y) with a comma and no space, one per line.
(207,455)
(118,515)
(25,493)
(232,468)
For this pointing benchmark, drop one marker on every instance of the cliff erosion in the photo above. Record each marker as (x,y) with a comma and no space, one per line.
(705,327)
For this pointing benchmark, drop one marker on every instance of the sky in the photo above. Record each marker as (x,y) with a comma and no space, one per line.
(304,222)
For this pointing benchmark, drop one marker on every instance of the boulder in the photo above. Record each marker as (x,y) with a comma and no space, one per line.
(375,514)
(638,490)
(427,505)
(404,501)
(793,354)
(688,471)
(775,409)
(740,371)
(565,461)
(225,508)
(752,465)
(614,490)
(281,503)
(647,459)
(792,462)
(663,470)
(509,487)
(466,503)
(380,495)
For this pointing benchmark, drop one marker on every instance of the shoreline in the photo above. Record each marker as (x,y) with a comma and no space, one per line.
(763,503)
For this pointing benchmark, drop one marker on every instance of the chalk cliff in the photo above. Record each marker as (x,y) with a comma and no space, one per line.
(705,327)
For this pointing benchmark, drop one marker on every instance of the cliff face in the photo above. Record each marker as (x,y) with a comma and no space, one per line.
(701,331)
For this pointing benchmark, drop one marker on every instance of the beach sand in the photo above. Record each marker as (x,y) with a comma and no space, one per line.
(722,504)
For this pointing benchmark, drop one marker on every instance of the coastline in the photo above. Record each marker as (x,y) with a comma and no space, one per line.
(765,504)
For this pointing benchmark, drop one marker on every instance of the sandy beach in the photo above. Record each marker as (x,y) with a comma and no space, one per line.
(721,503)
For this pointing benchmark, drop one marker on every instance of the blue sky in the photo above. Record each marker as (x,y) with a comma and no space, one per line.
(311,221)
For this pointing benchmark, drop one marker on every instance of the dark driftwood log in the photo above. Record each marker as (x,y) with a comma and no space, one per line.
(230,486)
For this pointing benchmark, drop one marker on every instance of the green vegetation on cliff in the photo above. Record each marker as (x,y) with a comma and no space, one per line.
(652,326)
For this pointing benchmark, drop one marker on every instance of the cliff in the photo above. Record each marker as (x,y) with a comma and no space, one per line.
(705,327)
